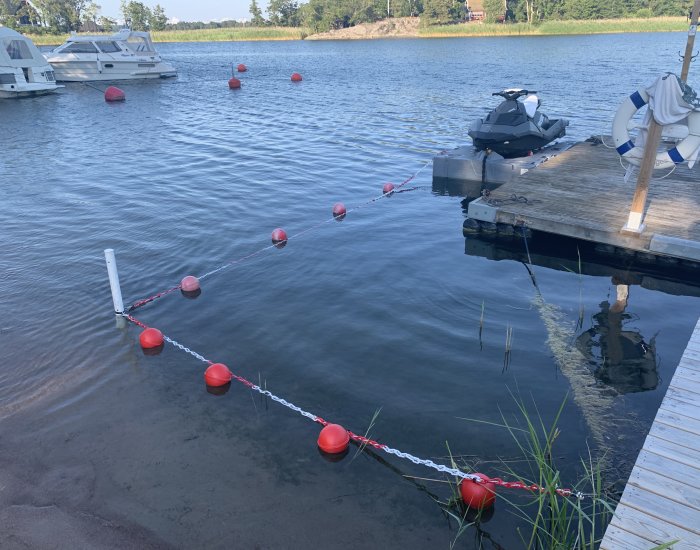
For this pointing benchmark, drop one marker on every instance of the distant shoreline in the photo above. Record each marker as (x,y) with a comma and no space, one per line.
(409,28)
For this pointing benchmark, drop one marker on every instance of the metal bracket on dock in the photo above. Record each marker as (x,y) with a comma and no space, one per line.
(480,210)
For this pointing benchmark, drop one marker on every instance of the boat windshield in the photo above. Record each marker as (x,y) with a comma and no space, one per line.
(18,49)
(80,47)
(110,46)
(139,44)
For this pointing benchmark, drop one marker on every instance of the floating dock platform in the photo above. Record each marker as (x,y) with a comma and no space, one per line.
(582,193)
(661,502)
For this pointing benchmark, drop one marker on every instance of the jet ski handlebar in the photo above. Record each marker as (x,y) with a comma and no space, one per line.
(514,94)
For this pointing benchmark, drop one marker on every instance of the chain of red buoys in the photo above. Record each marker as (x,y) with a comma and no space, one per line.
(143,301)
(362,439)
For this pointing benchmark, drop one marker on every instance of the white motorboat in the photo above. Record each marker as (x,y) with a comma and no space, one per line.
(23,70)
(126,55)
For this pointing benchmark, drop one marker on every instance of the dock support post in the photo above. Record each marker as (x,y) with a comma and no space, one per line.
(634,221)
(114,285)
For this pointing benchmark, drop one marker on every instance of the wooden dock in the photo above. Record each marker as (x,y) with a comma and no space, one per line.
(661,502)
(581,193)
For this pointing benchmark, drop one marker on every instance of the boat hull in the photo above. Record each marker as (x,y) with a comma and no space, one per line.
(84,71)
(9,94)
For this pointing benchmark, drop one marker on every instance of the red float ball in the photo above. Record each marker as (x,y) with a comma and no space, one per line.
(478,495)
(234,83)
(151,338)
(190,284)
(296,77)
(339,210)
(217,375)
(242,68)
(333,439)
(279,236)
(114,94)
(388,188)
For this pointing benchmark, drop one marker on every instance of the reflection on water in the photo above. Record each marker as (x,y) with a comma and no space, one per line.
(619,358)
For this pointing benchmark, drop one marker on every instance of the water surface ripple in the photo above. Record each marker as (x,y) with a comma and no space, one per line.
(111,448)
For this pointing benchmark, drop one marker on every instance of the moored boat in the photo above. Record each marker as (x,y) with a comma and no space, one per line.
(126,55)
(23,70)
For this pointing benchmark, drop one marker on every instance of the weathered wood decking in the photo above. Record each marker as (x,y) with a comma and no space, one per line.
(581,193)
(661,502)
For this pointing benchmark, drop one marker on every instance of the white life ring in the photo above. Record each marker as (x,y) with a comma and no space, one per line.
(665,159)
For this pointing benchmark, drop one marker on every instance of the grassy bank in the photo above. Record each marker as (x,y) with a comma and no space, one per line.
(600,26)
(234,34)
(658,24)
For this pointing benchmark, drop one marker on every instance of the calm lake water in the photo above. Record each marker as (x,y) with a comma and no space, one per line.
(104,447)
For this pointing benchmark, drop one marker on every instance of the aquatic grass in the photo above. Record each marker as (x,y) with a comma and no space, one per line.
(509,343)
(232,34)
(553,521)
(481,324)
(237,34)
(597,26)
(581,308)
(362,446)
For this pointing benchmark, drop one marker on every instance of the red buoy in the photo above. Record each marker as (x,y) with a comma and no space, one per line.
(234,83)
(242,68)
(217,374)
(114,94)
(189,284)
(388,188)
(296,77)
(478,495)
(339,210)
(333,439)
(151,338)
(279,236)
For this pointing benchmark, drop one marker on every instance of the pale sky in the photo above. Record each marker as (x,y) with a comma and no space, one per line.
(187,10)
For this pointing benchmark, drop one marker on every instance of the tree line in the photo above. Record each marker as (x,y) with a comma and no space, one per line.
(61,16)
(58,16)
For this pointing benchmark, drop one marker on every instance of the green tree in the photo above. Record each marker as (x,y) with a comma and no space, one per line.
(136,15)
(60,15)
(89,13)
(255,11)
(158,20)
(283,13)
(493,9)
(107,23)
(441,12)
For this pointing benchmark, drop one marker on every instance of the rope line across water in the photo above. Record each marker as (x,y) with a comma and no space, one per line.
(362,439)
(143,301)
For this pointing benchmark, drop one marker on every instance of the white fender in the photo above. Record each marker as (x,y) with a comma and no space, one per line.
(665,159)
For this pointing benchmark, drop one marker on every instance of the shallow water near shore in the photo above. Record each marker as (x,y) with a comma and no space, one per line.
(380,312)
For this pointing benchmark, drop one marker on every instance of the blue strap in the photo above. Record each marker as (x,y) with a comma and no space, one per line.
(675,155)
(625,147)
(638,100)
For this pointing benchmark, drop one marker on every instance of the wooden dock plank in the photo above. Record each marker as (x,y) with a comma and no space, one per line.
(672,450)
(668,511)
(660,484)
(680,407)
(680,421)
(679,471)
(581,193)
(674,434)
(681,395)
(661,501)
(617,538)
(633,521)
